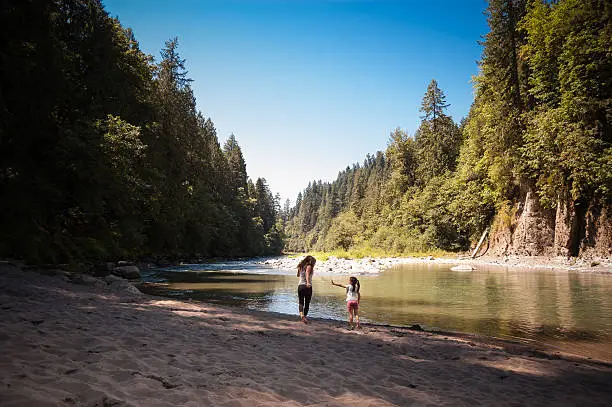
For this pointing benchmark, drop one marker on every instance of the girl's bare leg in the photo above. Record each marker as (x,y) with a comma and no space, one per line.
(350,318)
(357,318)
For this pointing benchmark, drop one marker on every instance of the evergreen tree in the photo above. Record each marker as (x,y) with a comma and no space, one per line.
(174,138)
(237,167)
(434,104)
(437,140)
(265,206)
(401,155)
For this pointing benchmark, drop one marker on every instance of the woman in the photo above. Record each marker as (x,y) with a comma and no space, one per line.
(304,272)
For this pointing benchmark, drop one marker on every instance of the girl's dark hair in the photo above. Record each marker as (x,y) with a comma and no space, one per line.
(355,284)
(308,260)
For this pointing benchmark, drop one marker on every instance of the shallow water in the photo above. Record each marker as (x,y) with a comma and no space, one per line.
(558,310)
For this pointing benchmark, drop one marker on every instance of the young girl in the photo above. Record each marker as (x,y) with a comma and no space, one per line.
(353,296)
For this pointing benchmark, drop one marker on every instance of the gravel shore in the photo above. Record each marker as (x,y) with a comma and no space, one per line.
(371,265)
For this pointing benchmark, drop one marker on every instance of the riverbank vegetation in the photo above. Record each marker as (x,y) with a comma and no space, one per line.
(369,252)
(103,152)
(532,161)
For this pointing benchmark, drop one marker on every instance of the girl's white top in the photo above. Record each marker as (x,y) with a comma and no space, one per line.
(302,276)
(350,295)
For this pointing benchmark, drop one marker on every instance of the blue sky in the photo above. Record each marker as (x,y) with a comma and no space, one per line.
(311,86)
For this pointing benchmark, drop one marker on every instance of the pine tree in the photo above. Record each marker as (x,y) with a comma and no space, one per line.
(437,140)
(265,207)
(237,167)
(433,105)
(401,155)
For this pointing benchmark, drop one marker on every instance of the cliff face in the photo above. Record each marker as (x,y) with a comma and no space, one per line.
(571,229)
(597,240)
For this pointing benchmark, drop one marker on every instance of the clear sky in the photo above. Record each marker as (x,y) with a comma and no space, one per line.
(311,86)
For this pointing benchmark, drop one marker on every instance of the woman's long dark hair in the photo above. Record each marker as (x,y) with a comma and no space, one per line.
(355,284)
(308,260)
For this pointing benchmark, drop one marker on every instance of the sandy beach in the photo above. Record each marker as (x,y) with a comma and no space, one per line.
(70,341)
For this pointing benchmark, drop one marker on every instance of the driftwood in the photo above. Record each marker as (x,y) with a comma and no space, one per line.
(482,238)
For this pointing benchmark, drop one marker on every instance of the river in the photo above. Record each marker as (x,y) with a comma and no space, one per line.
(552,309)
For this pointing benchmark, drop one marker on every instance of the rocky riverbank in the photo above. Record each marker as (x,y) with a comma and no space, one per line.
(370,265)
(113,278)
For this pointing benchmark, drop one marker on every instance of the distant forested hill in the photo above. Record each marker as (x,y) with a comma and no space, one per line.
(532,161)
(103,153)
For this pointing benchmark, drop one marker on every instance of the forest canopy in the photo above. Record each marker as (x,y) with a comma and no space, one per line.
(103,153)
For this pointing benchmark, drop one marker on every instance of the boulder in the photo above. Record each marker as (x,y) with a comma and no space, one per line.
(103,269)
(129,272)
(123,285)
(112,278)
(84,279)
(463,267)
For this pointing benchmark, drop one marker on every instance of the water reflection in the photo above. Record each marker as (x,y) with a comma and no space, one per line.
(564,310)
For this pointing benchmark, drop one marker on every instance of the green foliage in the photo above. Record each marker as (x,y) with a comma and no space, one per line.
(505,217)
(401,154)
(104,155)
(437,140)
(540,122)
(437,148)
(236,166)
(434,103)
(567,143)
(316,222)
(343,232)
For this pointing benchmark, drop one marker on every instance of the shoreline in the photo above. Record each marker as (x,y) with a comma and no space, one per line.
(374,265)
(77,342)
